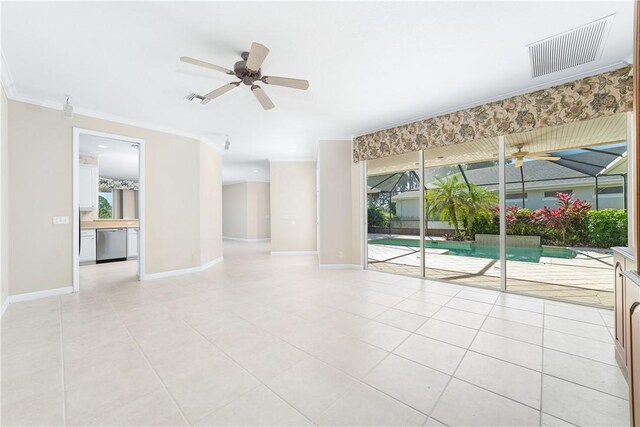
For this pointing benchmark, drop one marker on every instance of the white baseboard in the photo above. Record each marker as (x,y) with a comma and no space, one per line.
(40,294)
(340,267)
(181,272)
(294,252)
(238,239)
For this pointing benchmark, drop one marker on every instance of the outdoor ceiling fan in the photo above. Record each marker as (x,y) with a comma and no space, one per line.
(249,72)
(521,155)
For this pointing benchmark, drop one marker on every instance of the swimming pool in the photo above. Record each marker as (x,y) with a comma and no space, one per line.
(473,249)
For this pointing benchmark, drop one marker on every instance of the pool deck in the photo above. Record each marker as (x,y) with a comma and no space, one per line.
(585,279)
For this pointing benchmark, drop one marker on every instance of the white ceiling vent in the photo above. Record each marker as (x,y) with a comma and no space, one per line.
(569,49)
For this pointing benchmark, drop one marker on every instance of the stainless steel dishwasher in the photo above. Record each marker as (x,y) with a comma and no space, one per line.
(111,244)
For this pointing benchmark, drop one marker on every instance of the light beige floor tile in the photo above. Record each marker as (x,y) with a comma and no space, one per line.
(448,332)
(259,407)
(521,303)
(581,329)
(269,360)
(411,383)
(459,317)
(515,330)
(365,406)
(434,354)
(469,305)
(488,297)
(311,386)
(431,297)
(381,335)
(518,352)
(506,379)
(210,387)
(432,422)
(153,409)
(515,315)
(582,314)
(401,319)
(418,307)
(586,372)
(464,404)
(551,421)
(584,347)
(36,410)
(363,308)
(102,390)
(582,406)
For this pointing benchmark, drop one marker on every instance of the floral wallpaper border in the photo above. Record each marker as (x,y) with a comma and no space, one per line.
(107,184)
(588,98)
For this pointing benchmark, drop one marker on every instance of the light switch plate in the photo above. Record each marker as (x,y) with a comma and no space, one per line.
(60,220)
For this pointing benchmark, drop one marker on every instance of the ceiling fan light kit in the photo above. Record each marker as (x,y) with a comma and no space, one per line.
(249,71)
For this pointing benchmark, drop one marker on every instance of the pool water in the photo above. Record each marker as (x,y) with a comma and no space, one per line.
(473,249)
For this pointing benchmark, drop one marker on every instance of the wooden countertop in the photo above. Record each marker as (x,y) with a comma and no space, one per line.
(110,223)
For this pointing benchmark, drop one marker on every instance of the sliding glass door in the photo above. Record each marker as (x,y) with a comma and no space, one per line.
(532,213)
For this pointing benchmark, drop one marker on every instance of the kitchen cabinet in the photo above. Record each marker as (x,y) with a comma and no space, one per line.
(88,184)
(635,367)
(87,246)
(132,243)
(627,325)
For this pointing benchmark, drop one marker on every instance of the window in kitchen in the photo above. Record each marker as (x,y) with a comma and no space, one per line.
(105,205)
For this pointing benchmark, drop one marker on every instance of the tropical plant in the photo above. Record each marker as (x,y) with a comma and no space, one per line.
(608,227)
(480,201)
(447,200)
(378,217)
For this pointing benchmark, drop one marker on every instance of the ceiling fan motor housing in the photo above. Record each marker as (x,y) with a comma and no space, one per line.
(243,73)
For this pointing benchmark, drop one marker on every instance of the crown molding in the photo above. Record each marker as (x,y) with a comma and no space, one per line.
(6,79)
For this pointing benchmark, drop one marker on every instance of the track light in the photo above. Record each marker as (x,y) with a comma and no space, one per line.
(227,144)
(67,108)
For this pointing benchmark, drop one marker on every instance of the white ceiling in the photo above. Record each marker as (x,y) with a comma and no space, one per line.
(116,159)
(370,65)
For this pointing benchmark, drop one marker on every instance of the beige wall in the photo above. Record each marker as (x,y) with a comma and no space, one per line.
(258,210)
(210,204)
(246,210)
(293,206)
(4,194)
(40,177)
(234,211)
(340,204)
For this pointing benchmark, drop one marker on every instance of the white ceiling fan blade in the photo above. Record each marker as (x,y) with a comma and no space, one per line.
(205,64)
(263,99)
(519,162)
(543,157)
(257,54)
(286,82)
(220,91)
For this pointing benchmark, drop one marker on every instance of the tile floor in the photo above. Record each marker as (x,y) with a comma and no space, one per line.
(272,340)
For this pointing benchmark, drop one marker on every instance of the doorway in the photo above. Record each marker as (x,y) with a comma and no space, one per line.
(108,206)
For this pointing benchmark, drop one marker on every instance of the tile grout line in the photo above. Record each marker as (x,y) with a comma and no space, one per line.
(142,353)
(544,309)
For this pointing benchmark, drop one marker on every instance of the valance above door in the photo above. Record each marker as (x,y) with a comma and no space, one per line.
(585,99)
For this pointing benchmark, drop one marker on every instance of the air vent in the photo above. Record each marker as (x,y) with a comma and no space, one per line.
(569,49)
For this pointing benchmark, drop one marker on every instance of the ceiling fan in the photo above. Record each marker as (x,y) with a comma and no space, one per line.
(249,72)
(521,155)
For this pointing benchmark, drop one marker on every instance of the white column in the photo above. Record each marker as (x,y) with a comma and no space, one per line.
(503,219)
(421,216)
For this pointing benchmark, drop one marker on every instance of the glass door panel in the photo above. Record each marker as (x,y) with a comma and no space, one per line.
(393,193)
(462,232)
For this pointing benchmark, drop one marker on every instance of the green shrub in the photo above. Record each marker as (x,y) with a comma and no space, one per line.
(486,223)
(607,228)
(377,217)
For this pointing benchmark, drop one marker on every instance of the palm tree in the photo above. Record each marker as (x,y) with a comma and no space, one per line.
(447,200)
(479,201)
